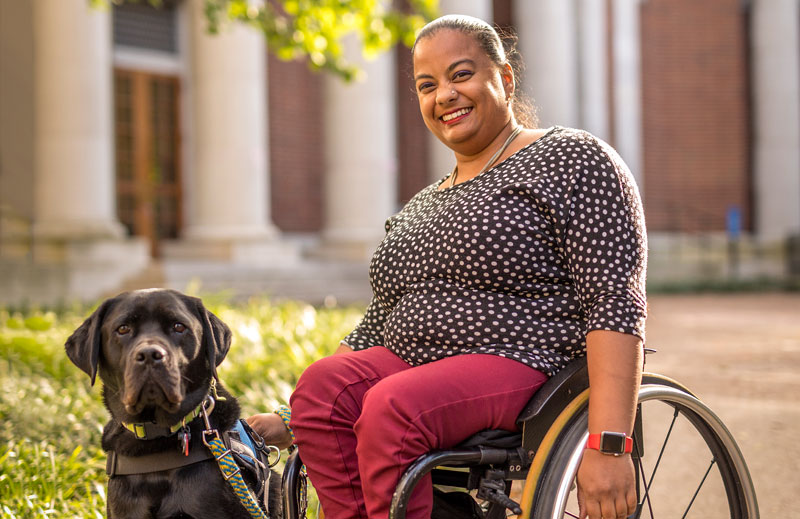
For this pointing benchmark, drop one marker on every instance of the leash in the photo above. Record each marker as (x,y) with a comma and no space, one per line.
(228,467)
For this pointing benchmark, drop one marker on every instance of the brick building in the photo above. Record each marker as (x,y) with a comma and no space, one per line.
(136,150)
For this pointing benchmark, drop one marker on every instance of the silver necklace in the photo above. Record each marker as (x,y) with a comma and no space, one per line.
(497,154)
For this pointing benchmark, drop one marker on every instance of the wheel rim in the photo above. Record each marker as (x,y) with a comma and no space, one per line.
(721,477)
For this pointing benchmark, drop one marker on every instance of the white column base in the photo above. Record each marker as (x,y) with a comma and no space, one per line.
(58,271)
(254,251)
(66,231)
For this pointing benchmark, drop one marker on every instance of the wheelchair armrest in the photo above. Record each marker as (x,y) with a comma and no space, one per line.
(558,391)
(548,402)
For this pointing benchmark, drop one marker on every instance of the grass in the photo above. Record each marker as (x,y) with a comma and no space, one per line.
(51,419)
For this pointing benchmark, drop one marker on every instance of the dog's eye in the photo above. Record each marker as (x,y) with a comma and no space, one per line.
(123,329)
(179,327)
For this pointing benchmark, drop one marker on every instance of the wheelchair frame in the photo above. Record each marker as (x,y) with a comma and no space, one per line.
(547,452)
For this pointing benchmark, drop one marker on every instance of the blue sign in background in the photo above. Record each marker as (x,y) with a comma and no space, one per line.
(733,222)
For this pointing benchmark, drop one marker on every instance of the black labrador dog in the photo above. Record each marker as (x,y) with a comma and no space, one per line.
(156,352)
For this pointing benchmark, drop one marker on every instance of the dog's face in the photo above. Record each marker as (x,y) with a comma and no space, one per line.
(151,348)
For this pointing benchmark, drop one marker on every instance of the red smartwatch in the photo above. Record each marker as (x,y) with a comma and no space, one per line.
(611,443)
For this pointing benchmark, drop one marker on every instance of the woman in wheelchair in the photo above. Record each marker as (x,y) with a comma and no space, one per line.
(529,254)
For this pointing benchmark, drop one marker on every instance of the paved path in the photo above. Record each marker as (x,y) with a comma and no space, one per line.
(741,355)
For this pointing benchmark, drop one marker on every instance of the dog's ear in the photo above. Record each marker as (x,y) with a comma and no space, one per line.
(83,346)
(216,336)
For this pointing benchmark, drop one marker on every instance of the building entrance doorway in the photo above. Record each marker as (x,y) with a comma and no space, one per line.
(148,166)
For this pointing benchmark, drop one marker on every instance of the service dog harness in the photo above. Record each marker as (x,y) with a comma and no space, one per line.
(231,471)
(234,449)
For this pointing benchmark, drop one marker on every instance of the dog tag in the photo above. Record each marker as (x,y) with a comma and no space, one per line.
(184,436)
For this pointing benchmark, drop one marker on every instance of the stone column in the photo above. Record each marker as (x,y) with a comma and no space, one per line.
(547,39)
(360,158)
(478,8)
(593,73)
(79,251)
(776,105)
(627,80)
(74,184)
(229,206)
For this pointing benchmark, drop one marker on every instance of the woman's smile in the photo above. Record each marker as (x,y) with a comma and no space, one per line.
(456,115)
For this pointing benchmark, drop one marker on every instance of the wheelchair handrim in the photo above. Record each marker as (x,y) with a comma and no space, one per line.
(546,447)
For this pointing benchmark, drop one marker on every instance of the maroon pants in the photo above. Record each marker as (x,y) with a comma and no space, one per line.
(362,418)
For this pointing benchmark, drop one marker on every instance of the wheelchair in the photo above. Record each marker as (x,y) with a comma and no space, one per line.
(687,462)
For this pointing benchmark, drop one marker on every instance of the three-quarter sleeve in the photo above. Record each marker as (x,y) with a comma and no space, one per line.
(606,244)
(369,331)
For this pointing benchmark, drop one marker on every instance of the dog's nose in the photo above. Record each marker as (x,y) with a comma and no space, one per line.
(150,355)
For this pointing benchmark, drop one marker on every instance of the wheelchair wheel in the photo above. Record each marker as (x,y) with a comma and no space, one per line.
(687,462)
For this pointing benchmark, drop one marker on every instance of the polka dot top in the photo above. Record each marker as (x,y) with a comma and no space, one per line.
(521,261)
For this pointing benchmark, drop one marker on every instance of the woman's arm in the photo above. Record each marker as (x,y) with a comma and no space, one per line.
(606,482)
(605,248)
(271,428)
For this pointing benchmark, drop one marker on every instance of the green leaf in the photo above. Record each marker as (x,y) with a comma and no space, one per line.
(317,29)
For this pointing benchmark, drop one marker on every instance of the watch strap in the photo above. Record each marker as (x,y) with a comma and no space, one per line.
(600,442)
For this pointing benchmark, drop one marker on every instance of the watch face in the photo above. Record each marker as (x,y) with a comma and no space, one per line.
(612,443)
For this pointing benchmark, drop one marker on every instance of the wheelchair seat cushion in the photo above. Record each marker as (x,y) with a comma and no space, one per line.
(496,438)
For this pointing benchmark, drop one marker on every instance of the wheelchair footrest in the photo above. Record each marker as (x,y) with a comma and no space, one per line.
(493,488)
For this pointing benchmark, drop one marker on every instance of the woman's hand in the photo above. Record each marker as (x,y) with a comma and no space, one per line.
(271,428)
(606,486)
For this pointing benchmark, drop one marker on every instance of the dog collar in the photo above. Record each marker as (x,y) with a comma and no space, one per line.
(149,430)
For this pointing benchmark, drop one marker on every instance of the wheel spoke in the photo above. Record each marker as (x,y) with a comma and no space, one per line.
(640,470)
(702,482)
(646,497)
(648,484)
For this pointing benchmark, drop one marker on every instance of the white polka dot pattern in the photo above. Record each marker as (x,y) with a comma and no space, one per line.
(521,261)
